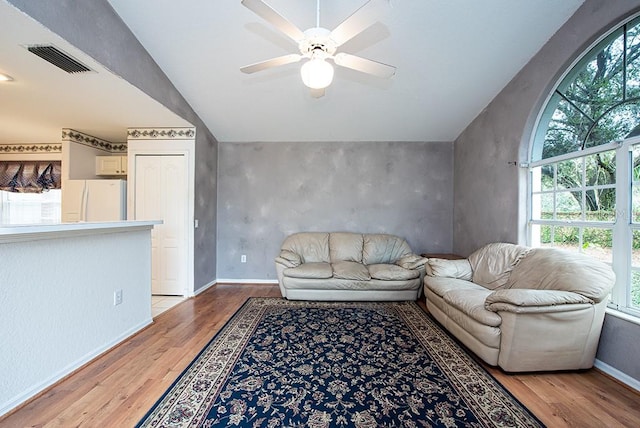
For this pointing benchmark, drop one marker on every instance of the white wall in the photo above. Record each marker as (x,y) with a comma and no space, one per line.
(56,305)
(79,161)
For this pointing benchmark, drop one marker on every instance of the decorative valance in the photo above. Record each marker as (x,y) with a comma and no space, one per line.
(29,176)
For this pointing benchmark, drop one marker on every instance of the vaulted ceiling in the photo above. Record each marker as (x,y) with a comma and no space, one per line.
(42,99)
(452,57)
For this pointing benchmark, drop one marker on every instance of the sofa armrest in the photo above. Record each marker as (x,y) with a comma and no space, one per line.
(411,261)
(526,300)
(450,268)
(288,259)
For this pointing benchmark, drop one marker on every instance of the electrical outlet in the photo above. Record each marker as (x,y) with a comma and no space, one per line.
(117,297)
(243,258)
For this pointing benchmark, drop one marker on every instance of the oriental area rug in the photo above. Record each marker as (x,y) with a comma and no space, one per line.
(280,363)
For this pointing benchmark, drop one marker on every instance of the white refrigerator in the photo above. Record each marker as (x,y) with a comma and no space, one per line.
(94,200)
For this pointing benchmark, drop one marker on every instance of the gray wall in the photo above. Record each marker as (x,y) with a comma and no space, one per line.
(490,193)
(270,190)
(94,28)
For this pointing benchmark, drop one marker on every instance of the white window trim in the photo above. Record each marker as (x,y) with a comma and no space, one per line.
(622,227)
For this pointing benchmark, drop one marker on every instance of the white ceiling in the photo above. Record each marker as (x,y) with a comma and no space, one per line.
(452,58)
(43,99)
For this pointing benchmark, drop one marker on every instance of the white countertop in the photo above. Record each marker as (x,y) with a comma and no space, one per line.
(32,232)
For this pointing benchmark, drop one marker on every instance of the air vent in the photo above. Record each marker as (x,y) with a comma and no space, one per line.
(58,58)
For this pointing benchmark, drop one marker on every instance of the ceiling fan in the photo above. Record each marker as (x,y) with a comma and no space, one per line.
(318,44)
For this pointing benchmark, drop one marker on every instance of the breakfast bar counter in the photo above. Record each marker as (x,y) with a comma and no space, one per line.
(68,292)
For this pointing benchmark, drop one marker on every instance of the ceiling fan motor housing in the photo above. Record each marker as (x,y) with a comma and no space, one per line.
(317,39)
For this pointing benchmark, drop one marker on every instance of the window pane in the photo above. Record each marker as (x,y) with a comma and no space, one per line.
(30,208)
(616,125)
(569,205)
(635,273)
(633,61)
(570,174)
(542,178)
(567,238)
(601,168)
(635,290)
(635,197)
(598,86)
(567,131)
(542,206)
(598,242)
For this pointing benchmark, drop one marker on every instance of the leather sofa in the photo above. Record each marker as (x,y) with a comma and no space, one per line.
(522,309)
(348,266)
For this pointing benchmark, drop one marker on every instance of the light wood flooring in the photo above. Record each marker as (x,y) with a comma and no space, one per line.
(118,388)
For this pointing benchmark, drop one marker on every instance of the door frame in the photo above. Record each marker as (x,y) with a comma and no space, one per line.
(167,147)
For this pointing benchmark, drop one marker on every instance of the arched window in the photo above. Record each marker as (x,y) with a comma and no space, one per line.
(585,162)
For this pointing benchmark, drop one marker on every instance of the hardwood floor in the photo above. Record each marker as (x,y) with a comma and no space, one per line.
(118,388)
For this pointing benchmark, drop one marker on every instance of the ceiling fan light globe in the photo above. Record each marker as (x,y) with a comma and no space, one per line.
(316,73)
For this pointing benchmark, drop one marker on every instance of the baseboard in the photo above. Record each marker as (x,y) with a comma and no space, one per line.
(618,375)
(246,281)
(205,287)
(32,392)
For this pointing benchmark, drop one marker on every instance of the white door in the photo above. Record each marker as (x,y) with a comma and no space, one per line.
(161,193)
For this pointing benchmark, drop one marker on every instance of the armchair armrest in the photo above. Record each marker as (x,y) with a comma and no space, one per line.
(454,268)
(527,300)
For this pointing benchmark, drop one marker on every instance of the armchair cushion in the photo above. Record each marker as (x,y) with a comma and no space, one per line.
(527,298)
(556,269)
(471,303)
(493,263)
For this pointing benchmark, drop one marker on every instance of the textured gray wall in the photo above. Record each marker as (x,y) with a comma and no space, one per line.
(490,193)
(94,28)
(270,190)
(620,346)
(488,189)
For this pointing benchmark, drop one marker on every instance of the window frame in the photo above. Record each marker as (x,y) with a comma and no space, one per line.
(622,226)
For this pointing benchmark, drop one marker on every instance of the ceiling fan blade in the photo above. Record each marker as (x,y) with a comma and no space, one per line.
(359,20)
(267,13)
(365,65)
(273,62)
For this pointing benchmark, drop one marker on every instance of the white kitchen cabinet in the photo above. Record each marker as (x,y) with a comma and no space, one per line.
(111,165)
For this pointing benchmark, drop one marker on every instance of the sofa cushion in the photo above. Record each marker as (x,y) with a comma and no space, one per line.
(314,270)
(557,269)
(472,303)
(390,272)
(460,269)
(350,270)
(493,263)
(345,246)
(311,246)
(382,248)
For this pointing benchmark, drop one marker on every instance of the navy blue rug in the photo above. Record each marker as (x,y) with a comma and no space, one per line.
(280,363)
